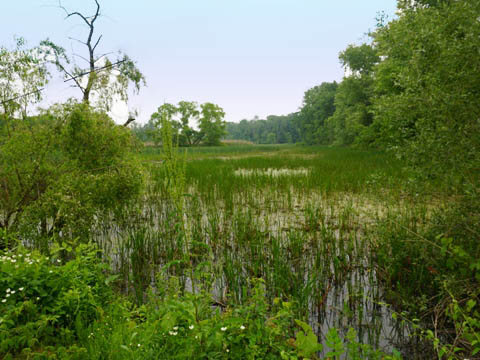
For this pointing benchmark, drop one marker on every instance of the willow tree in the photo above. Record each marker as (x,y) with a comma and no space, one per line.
(22,77)
(62,169)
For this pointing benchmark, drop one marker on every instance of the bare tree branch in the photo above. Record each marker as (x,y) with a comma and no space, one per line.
(71,76)
(130,72)
(103,55)
(80,41)
(81,57)
(74,13)
(21,96)
(96,44)
(95,70)
(130,120)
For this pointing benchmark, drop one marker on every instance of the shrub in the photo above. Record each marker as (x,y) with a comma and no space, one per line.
(45,302)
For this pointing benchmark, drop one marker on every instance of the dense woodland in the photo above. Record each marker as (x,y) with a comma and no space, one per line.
(273,130)
(111,249)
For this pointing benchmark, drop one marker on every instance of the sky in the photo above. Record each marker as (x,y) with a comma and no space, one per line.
(251,57)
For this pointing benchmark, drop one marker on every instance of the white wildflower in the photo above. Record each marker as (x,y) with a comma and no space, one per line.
(20,289)
(4,300)
(191,327)
(242,327)
(223,328)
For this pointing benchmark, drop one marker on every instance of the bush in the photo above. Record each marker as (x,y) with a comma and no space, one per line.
(65,171)
(45,302)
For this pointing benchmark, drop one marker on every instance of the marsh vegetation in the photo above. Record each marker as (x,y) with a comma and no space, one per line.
(359,241)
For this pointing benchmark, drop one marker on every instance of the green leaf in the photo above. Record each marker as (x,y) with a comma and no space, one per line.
(111,279)
(307,345)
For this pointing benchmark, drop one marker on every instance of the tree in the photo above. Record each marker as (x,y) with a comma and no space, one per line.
(62,169)
(104,80)
(428,87)
(276,129)
(209,119)
(188,112)
(360,60)
(22,77)
(318,106)
(211,124)
(415,4)
(353,114)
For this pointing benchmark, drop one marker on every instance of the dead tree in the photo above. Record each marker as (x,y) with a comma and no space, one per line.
(90,44)
(109,80)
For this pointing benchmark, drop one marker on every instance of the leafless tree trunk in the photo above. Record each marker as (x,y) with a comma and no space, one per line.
(90,44)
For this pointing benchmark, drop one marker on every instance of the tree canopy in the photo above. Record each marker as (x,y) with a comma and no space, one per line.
(191,124)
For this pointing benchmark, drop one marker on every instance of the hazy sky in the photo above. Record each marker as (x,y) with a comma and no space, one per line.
(251,57)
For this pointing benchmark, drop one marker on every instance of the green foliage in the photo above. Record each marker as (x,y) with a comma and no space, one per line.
(307,342)
(273,130)
(428,110)
(360,60)
(353,116)
(185,328)
(211,124)
(22,77)
(62,169)
(439,260)
(341,114)
(318,106)
(45,302)
(209,119)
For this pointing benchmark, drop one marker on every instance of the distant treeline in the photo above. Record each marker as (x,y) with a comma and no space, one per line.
(273,130)
(331,113)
